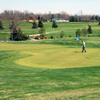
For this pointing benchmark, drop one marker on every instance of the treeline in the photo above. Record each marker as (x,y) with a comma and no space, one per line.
(17,15)
(12,15)
(84,18)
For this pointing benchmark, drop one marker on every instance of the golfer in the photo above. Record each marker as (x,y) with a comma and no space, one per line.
(83,49)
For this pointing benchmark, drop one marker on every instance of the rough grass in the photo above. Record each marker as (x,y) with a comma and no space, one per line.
(80,94)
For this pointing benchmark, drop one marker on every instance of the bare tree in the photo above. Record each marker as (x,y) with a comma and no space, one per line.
(64,15)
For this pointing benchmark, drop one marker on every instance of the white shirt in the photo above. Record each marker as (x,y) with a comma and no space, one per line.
(83,43)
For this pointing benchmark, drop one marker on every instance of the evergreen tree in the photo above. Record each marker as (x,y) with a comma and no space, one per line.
(39,18)
(84,32)
(52,16)
(19,36)
(92,17)
(34,25)
(99,20)
(42,32)
(96,17)
(40,24)
(12,26)
(59,15)
(73,19)
(13,33)
(42,19)
(62,34)
(1,25)
(16,35)
(22,35)
(78,33)
(54,25)
(89,29)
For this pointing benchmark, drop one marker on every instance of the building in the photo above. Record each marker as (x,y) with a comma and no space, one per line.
(59,20)
(31,21)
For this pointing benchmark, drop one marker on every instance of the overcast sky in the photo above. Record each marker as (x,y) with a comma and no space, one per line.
(53,6)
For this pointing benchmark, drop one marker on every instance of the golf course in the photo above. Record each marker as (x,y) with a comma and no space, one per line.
(50,69)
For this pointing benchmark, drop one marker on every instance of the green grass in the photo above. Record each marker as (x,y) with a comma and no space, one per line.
(23,81)
(51,69)
(59,57)
(68,28)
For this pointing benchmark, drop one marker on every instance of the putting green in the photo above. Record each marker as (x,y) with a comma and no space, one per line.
(60,58)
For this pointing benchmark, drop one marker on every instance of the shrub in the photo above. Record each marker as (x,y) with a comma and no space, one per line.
(54,25)
(84,32)
(78,33)
(89,29)
(51,37)
(42,32)
(40,24)
(1,25)
(34,25)
(17,35)
(12,26)
(70,36)
(62,34)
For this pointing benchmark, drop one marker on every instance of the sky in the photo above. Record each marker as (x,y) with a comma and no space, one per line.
(54,6)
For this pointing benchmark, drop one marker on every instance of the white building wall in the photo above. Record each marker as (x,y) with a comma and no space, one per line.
(62,21)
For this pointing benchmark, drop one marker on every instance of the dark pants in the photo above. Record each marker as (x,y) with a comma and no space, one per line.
(83,49)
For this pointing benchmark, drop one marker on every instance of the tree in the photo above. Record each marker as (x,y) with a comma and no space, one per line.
(39,18)
(51,37)
(89,29)
(84,32)
(64,15)
(12,26)
(42,32)
(99,20)
(40,24)
(92,17)
(62,34)
(59,15)
(34,25)
(96,17)
(73,19)
(13,33)
(78,33)
(52,17)
(17,35)
(22,35)
(1,25)
(54,25)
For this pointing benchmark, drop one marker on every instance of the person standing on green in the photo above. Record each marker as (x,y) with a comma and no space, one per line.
(83,44)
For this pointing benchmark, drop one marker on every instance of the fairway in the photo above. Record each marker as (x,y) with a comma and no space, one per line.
(34,71)
(50,50)
(52,69)
(53,56)
(48,72)
(60,57)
